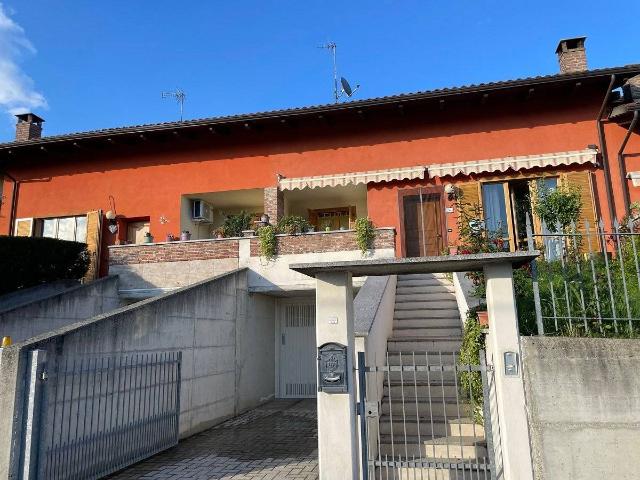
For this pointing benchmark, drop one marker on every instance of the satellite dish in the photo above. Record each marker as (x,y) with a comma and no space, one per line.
(346,88)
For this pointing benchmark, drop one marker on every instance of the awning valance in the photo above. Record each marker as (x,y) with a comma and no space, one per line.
(522,162)
(353,178)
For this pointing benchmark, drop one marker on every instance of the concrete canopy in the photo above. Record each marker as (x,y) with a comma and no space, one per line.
(400,266)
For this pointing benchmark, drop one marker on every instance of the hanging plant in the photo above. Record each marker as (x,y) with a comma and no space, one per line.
(268,241)
(365,234)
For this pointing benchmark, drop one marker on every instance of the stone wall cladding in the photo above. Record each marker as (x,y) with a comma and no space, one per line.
(273,204)
(174,252)
(325,242)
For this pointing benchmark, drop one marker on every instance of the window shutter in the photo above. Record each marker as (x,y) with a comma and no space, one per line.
(94,230)
(23,227)
(584,181)
(469,193)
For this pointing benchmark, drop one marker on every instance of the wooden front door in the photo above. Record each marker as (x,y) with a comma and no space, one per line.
(423,224)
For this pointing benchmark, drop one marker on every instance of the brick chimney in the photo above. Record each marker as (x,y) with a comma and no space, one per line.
(572,55)
(29,127)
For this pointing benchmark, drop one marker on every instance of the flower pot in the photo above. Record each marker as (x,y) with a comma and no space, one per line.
(311,229)
(184,236)
(483,318)
(148,238)
(264,219)
(170,237)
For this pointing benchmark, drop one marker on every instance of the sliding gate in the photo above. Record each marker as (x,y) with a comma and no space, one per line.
(426,416)
(98,415)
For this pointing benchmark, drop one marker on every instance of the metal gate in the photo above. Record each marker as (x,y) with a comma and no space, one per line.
(424,415)
(297,354)
(99,415)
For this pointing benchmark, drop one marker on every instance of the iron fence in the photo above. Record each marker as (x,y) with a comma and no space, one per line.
(588,281)
(101,414)
(421,418)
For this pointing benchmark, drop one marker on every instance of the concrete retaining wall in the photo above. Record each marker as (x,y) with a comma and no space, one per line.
(226,337)
(59,309)
(583,397)
(32,294)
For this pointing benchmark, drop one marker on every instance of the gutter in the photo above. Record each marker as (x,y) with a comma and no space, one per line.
(14,197)
(605,155)
(621,164)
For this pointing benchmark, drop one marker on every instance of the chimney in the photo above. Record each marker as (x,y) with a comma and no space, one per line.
(572,55)
(29,127)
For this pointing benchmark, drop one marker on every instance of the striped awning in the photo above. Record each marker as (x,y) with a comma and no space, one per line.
(635,178)
(523,162)
(353,178)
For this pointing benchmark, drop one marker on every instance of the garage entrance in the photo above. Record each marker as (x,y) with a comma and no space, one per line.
(296,348)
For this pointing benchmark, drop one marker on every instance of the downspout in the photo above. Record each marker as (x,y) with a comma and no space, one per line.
(622,166)
(14,196)
(605,155)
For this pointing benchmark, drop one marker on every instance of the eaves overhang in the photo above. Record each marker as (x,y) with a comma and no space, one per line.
(301,113)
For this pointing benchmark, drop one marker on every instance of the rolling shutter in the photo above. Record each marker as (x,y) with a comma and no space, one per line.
(584,181)
(94,230)
(23,227)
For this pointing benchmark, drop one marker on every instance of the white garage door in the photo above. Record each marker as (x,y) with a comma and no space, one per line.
(297,359)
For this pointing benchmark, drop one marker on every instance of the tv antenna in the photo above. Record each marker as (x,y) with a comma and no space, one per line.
(179,95)
(345,88)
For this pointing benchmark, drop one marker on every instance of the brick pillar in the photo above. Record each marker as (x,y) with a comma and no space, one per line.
(273,204)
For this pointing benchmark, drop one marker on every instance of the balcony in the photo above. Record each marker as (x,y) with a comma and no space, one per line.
(149,269)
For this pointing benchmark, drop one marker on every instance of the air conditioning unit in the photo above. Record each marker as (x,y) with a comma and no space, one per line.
(201,212)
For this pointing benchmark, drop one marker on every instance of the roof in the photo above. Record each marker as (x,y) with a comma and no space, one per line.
(357,105)
(402,266)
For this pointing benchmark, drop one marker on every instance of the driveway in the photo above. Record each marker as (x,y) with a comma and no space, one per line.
(275,441)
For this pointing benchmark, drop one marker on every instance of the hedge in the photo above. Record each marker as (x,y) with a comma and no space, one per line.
(29,261)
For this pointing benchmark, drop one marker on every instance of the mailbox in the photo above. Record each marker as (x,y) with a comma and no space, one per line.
(332,368)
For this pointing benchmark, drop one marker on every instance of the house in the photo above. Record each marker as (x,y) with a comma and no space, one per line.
(404,161)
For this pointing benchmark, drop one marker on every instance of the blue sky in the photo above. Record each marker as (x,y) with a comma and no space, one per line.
(84,65)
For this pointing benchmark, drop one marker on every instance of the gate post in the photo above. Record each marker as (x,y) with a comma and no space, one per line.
(31,431)
(337,439)
(504,342)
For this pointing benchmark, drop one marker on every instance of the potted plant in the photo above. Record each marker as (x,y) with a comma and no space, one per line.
(185,235)
(148,238)
(218,232)
(311,229)
(483,318)
(264,219)
(170,237)
(293,225)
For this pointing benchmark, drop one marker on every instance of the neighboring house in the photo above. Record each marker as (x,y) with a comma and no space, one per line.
(400,160)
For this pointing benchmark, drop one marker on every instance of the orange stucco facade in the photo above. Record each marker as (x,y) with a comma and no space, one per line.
(147,179)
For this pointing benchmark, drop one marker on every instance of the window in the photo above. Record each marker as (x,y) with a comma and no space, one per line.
(63,228)
(332,218)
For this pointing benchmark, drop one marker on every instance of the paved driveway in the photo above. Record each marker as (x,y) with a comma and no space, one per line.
(275,441)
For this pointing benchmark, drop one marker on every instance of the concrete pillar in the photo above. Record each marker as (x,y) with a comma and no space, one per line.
(510,398)
(10,402)
(337,439)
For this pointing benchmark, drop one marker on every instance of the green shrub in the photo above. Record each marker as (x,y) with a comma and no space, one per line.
(29,261)
(560,205)
(470,383)
(234,224)
(365,234)
(268,241)
(293,224)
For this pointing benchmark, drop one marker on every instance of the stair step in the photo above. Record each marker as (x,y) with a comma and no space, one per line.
(435,287)
(427,296)
(427,305)
(429,427)
(430,313)
(443,447)
(422,344)
(422,389)
(436,282)
(436,405)
(451,469)
(417,276)
(452,332)
(452,322)
(420,358)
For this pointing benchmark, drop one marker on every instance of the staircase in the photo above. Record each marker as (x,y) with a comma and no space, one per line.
(423,415)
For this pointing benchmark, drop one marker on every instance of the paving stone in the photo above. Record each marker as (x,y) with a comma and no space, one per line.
(275,441)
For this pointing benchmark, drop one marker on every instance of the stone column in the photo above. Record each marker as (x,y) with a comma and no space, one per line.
(509,389)
(337,440)
(273,204)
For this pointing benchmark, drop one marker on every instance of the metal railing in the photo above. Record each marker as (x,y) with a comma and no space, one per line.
(588,281)
(104,413)
(427,422)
